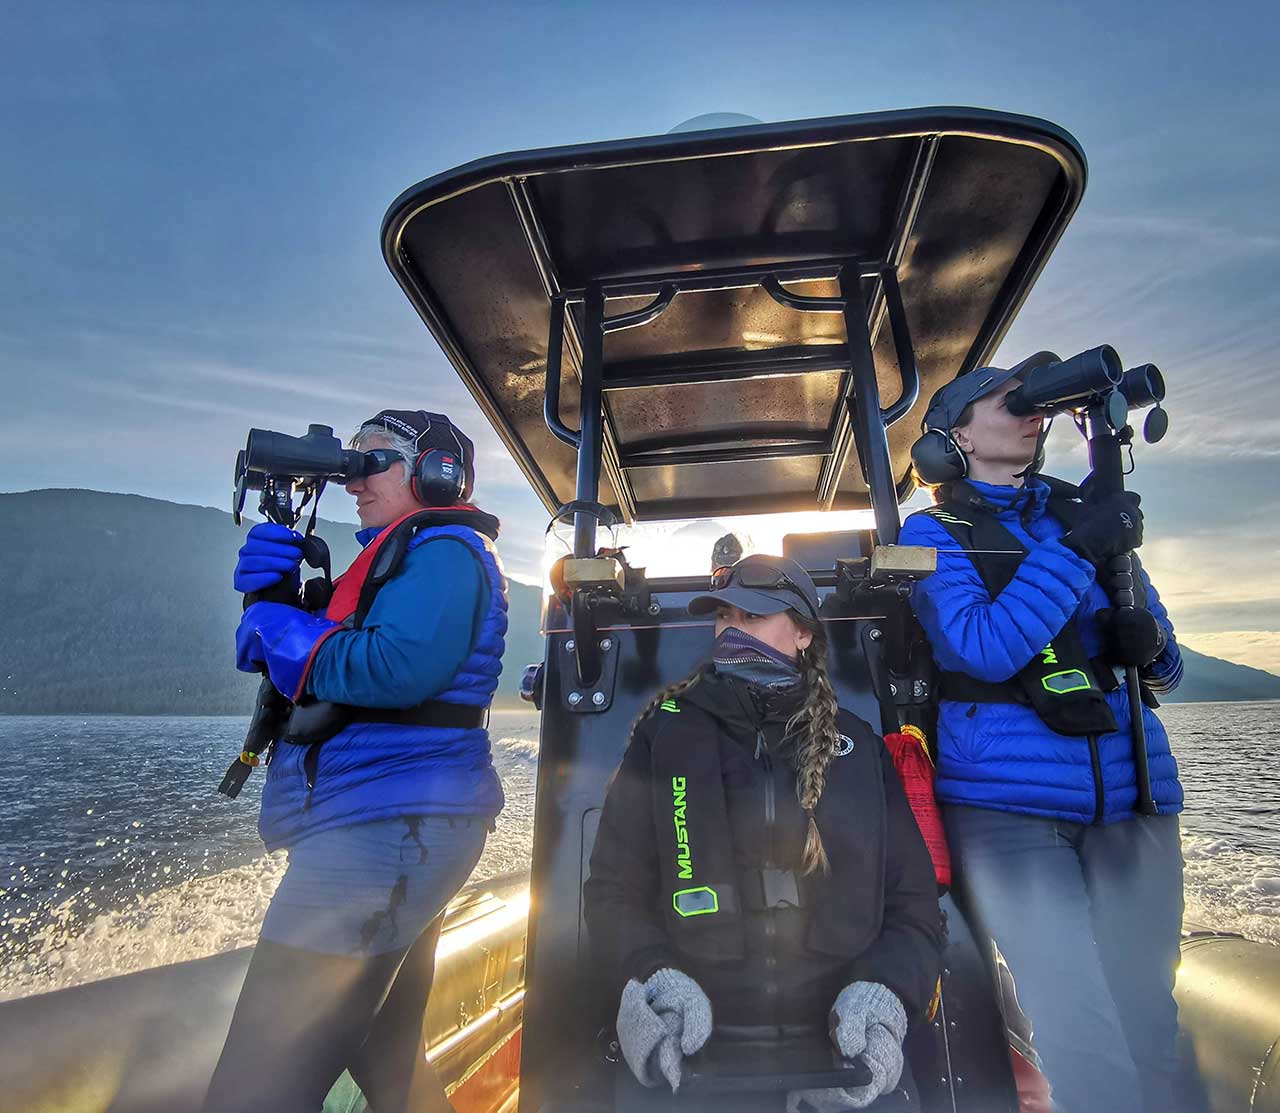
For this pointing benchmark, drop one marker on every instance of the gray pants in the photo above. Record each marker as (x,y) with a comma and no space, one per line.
(1088,920)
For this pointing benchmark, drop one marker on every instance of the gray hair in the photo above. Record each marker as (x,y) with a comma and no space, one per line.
(407,450)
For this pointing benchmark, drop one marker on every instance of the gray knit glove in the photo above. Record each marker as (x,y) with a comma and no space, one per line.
(660,1022)
(869,1023)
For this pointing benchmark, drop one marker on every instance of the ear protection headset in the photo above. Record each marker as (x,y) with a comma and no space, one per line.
(935,455)
(937,458)
(440,474)
(438,478)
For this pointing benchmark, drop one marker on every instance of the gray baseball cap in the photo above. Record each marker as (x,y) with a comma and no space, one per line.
(760,584)
(949,402)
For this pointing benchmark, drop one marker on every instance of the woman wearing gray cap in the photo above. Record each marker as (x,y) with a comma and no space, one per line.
(757,864)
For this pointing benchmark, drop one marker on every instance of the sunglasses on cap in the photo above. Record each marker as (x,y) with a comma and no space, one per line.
(760,577)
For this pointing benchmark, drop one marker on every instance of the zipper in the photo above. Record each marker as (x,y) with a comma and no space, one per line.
(766,758)
(310,769)
(770,926)
(1096,762)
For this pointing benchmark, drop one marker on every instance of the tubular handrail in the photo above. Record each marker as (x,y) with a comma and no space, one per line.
(551,391)
(803,302)
(907,366)
(644,314)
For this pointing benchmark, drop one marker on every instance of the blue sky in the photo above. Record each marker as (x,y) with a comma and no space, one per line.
(191,195)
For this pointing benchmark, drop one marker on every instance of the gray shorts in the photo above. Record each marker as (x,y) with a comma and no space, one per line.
(373,887)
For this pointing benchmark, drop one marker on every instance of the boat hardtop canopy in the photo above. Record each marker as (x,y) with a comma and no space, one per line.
(746,320)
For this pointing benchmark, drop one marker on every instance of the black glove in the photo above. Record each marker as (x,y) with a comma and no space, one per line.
(1132,635)
(1110,527)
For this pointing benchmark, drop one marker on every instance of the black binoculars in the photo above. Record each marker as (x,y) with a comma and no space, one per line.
(1072,383)
(318,455)
(276,460)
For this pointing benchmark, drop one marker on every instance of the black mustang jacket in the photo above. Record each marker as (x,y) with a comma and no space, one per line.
(772,947)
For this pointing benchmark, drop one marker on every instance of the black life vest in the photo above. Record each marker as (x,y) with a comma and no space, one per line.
(702,882)
(1061,683)
(314,721)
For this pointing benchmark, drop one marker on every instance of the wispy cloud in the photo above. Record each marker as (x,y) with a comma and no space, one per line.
(1185,234)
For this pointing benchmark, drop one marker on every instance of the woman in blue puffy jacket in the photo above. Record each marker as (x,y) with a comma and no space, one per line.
(386,812)
(1082,895)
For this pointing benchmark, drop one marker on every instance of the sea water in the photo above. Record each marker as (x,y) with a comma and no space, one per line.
(116,853)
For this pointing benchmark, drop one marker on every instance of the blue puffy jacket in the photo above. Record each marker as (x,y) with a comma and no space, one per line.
(1002,756)
(435,631)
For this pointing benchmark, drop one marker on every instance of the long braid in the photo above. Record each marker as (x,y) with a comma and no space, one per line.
(669,692)
(817,746)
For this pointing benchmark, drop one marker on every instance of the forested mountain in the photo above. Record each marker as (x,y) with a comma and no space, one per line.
(1211,678)
(118,603)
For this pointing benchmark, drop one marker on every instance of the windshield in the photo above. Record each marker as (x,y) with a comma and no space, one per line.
(694,546)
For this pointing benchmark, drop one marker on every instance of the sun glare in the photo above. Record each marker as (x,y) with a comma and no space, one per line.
(683,548)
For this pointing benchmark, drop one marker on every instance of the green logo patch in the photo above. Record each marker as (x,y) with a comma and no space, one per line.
(701,901)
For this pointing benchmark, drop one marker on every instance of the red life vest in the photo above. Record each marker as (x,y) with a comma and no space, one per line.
(350,599)
(355,589)
(911,759)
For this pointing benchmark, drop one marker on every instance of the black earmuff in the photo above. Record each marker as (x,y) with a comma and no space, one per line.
(938,459)
(439,478)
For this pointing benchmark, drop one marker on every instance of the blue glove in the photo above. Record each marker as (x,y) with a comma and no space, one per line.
(284,639)
(271,553)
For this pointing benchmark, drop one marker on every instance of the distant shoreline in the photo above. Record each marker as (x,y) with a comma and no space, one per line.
(504,708)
